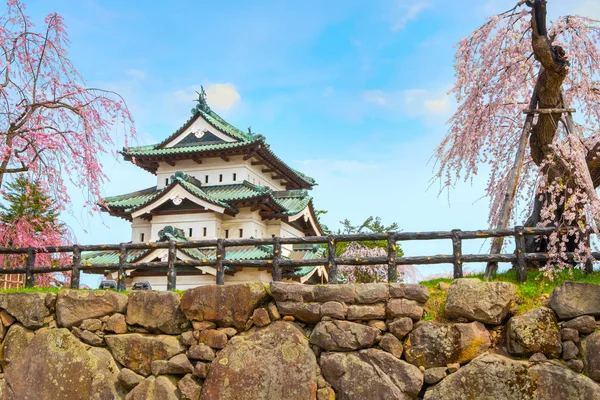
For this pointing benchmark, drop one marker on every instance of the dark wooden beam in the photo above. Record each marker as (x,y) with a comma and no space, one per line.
(257,163)
(197,160)
(170,162)
(267,170)
(249,155)
(224,157)
(277,177)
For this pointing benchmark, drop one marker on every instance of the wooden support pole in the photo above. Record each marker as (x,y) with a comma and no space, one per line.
(171,269)
(520,245)
(121,283)
(333,278)
(511,188)
(29,277)
(76,273)
(276,272)
(219,265)
(457,253)
(392,268)
(549,111)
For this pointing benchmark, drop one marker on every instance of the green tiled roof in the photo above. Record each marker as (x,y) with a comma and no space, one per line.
(155,150)
(242,139)
(291,202)
(132,199)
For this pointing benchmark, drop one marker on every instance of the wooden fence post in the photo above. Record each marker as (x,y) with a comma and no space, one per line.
(276,272)
(589,264)
(29,277)
(391,248)
(219,263)
(457,251)
(121,277)
(331,248)
(520,245)
(76,273)
(171,270)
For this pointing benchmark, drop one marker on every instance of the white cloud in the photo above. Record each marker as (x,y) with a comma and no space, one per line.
(220,96)
(409,12)
(136,73)
(415,102)
(376,97)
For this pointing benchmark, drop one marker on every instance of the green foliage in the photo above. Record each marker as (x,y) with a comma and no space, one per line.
(24,199)
(369,225)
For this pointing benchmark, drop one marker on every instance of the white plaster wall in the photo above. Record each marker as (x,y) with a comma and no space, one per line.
(197,221)
(139,226)
(215,166)
(249,221)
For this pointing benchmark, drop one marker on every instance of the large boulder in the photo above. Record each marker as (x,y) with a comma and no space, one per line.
(156,311)
(590,347)
(572,299)
(536,331)
(58,366)
(585,324)
(343,335)
(230,305)
(306,312)
(30,309)
(370,374)
(487,302)
(270,363)
(17,339)
(435,345)
(161,388)
(75,306)
(136,351)
(492,376)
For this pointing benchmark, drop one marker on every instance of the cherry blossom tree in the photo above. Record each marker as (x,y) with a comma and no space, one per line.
(29,217)
(514,63)
(53,128)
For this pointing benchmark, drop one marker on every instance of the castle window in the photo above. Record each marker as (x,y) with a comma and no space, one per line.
(204,231)
(141,237)
(234,176)
(166,181)
(226,233)
(241,233)
(220,177)
(190,232)
(205,178)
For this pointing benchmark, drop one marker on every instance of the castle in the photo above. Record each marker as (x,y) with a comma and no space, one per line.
(215,181)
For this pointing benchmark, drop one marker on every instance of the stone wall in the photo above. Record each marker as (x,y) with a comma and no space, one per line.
(292,341)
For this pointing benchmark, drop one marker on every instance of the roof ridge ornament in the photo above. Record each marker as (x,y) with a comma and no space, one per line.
(202,104)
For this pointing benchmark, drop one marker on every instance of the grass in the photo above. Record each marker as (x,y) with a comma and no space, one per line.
(53,290)
(32,290)
(531,294)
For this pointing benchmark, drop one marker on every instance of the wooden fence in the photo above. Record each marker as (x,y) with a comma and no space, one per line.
(277,263)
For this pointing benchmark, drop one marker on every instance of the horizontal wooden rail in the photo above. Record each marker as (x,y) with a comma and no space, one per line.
(276,263)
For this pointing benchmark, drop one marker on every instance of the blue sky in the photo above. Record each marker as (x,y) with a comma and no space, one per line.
(351,93)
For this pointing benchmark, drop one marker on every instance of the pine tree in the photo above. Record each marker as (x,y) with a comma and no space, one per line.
(28,217)
(24,199)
